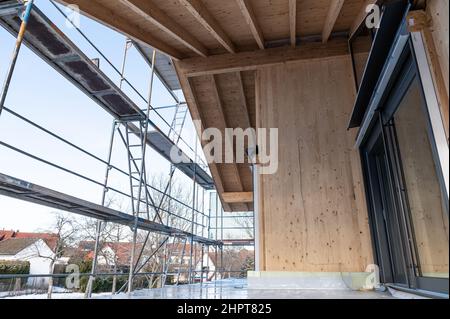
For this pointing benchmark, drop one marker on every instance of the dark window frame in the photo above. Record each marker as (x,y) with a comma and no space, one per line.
(384,126)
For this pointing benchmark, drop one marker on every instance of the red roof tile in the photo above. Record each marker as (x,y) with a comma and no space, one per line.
(50,239)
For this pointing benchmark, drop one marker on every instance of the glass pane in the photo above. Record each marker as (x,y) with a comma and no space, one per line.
(426,202)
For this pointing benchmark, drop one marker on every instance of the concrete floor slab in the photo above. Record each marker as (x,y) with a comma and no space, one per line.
(238,289)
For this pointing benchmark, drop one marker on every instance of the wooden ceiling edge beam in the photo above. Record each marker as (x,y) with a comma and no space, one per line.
(107,17)
(330,21)
(204,17)
(361,16)
(244,104)
(293,22)
(238,197)
(149,11)
(250,19)
(249,61)
(190,96)
(216,94)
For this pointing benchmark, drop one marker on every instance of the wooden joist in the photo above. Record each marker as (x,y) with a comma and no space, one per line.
(238,197)
(250,18)
(333,14)
(244,106)
(153,14)
(198,10)
(109,17)
(293,21)
(246,61)
(190,95)
(223,120)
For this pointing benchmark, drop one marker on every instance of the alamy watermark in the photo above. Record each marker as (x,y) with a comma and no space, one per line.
(236,145)
(373,18)
(73,279)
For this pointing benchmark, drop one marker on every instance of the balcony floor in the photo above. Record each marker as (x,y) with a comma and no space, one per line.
(237,289)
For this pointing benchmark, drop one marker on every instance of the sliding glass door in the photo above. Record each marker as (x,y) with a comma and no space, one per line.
(407,200)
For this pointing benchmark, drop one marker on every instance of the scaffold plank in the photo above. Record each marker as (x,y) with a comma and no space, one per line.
(56,49)
(50,44)
(26,191)
(164,67)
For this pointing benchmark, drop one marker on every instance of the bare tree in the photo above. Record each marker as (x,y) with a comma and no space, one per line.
(117,233)
(246,223)
(109,233)
(172,209)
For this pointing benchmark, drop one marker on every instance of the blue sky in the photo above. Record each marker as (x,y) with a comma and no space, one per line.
(44,96)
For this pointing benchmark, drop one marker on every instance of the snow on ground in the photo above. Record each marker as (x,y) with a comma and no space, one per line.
(58,293)
(73,295)
(224,289)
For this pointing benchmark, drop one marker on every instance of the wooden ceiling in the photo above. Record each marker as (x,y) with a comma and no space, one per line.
(217,45)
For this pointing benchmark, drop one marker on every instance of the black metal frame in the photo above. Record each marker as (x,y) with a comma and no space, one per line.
(383,128)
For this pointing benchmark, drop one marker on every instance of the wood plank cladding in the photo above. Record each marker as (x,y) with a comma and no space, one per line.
(438,12)
(313,214)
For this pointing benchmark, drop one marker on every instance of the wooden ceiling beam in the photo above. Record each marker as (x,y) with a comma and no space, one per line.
(191,99)
(243,98)
(238,197)
(154,15)
(223,119)
(250,18)
(246,61)
(198,10)
(110,18)
(293,22)
(361,16)
(333,14)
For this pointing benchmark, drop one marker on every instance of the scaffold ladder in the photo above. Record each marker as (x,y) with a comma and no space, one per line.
(136,167)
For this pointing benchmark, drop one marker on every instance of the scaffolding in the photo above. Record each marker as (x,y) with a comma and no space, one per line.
(133,127)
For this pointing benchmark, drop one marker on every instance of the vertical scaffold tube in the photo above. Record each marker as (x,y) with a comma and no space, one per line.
(141,177)
(12,65)
(88,293)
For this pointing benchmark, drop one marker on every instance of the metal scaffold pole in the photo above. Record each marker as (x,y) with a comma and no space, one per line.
(15,54)
(142,175)
(217,235)
(209,234)
(221,247)
(88,292)
(193,217)
(203,235)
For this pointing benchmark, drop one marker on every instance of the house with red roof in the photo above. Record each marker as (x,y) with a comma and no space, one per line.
(112,255)
(50,239)
(34,250)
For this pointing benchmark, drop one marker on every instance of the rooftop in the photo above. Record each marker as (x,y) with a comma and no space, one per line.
(50,239)
(15,245)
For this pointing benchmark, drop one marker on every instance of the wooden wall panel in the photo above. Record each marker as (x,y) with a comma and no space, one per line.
(313,210)
(438,10)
